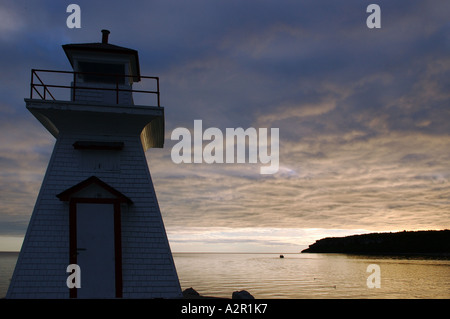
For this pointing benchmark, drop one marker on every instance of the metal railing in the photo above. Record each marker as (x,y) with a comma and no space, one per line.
(119,79)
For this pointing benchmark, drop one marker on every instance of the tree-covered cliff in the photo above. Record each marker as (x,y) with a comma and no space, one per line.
(406,242)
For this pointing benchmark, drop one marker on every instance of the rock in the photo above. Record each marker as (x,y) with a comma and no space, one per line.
(243,294)
(190,293)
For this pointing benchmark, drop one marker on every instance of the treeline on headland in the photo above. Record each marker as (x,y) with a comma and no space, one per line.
(406,242)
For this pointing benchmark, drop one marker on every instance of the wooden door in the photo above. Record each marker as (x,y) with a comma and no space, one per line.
(95,249)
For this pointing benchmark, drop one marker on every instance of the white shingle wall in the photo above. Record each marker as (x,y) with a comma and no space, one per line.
(147,263)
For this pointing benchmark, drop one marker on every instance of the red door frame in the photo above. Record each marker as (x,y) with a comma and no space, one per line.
(117,237)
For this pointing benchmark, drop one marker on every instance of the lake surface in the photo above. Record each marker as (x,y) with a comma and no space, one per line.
(298,276)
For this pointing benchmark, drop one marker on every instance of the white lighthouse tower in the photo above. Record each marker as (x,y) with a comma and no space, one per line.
(97,207)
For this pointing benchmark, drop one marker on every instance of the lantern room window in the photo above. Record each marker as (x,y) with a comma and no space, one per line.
(105,72)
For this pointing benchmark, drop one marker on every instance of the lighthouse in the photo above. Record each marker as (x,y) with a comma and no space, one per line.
(97,208)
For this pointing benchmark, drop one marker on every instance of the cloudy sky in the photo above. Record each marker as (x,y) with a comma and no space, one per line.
(363,114)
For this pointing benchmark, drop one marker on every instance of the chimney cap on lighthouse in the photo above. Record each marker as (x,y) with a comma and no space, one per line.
(105,34)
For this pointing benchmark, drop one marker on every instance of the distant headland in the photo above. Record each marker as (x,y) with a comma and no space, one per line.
(427,242)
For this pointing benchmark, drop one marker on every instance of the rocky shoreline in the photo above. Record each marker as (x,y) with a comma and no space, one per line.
(191,293)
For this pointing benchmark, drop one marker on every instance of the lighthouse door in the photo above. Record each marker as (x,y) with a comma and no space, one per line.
(96,249)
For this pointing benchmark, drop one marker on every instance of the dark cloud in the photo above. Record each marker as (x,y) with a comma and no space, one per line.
(363,114)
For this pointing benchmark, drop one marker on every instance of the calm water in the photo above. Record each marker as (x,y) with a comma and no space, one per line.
(299,275)
(313,275)
(7,264)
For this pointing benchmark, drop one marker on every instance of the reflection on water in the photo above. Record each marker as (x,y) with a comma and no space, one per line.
(299,275)
(313,275)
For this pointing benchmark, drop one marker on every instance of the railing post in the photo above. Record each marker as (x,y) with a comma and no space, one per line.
(31,83)
(157,90)
(74,85)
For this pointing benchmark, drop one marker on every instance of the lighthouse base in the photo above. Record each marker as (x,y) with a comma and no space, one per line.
(96,207)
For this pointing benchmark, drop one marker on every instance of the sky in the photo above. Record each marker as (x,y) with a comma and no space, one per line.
(363,114)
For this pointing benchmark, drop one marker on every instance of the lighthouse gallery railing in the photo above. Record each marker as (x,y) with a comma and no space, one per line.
(37,82)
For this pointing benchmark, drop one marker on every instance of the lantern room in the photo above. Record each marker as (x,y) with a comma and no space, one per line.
(106,67)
